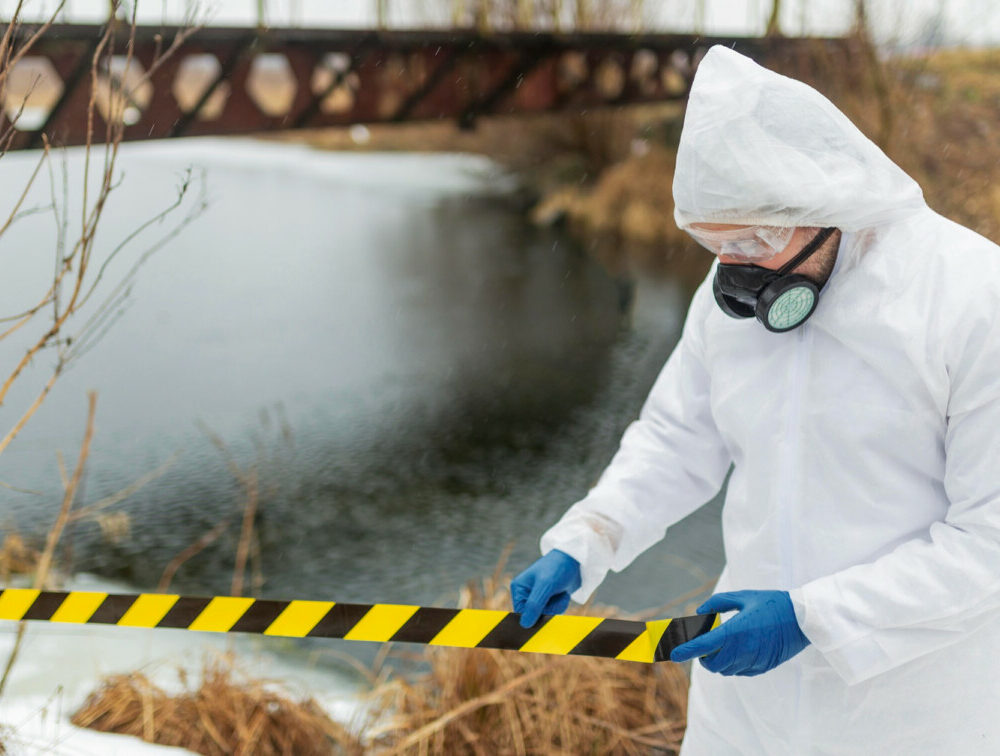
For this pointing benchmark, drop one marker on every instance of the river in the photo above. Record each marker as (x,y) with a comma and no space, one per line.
(418,376)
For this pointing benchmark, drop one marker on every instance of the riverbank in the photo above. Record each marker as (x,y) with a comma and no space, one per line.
(608,174)
(605,175)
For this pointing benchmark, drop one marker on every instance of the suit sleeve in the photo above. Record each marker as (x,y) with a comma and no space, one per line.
(933,590)
(670,462)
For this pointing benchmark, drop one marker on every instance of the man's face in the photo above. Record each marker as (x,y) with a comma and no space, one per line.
(800,238)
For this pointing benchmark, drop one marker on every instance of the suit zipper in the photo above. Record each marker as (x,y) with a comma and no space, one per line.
(789,474)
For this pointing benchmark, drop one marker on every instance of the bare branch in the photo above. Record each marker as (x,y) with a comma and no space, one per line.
(206,540)
(158,218)
(24,194)
(71,286)
(120,496)
(69,496)
(55,533)
(246,532)
(19,425)
(37,35)
(9,487)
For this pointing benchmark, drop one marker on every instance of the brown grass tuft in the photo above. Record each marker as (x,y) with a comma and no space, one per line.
(632,199)
(17,557)
(483,702)
(226,714)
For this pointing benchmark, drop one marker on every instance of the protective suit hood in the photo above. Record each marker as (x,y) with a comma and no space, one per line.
(761,148)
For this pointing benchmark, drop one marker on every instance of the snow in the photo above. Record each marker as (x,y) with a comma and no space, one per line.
(37,726)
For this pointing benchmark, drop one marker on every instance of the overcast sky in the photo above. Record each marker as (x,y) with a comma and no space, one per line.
(973,22)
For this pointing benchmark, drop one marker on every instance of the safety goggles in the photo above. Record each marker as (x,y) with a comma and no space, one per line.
(749,244)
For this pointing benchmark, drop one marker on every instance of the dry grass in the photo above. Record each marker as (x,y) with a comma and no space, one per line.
(947,136)
(935,115)
(631,200)
(475,701)
(226,714)
(626,217)
(525,142)
(17,558)
(484,702)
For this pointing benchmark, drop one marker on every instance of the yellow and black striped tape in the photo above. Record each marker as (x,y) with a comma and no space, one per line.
(464,628)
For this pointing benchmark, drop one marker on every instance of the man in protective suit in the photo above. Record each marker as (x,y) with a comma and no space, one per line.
(843,356)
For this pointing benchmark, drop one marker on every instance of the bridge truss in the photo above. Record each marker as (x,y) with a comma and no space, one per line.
(239,81)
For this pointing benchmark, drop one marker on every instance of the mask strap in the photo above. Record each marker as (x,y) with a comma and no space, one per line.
(816,243)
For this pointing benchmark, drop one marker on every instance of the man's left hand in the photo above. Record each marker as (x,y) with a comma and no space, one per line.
(761,636)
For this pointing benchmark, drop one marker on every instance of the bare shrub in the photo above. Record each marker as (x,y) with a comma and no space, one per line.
(84,297)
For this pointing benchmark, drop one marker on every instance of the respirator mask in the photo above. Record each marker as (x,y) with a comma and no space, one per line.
(779,299)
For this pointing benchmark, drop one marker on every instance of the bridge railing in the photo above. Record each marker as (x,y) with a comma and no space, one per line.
(238,80)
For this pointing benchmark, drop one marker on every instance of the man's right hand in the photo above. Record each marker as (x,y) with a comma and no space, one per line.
(544,587)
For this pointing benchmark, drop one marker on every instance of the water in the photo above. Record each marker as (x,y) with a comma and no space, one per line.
(418,377)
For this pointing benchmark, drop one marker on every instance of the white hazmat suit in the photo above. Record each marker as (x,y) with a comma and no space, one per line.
(865,444)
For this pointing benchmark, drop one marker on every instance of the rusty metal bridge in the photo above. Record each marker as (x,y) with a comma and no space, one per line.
(241,81)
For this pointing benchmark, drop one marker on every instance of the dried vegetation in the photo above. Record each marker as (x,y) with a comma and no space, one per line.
(17,558)
(481,701)
(227,713)
(947,136)
(474,701)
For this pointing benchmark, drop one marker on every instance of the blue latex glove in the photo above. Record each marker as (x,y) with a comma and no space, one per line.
(545,586)
(761,636)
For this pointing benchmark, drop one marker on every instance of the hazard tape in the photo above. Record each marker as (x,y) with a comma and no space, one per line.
(561,634)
